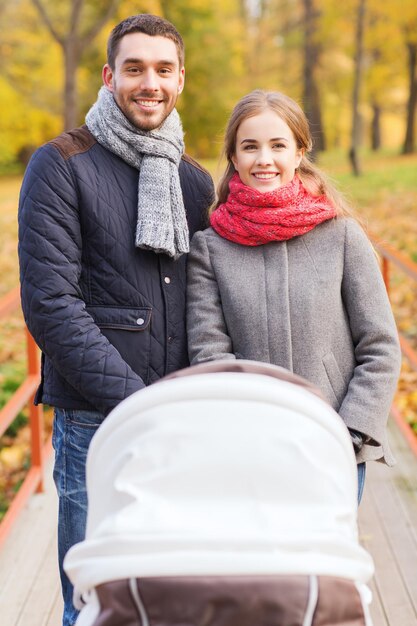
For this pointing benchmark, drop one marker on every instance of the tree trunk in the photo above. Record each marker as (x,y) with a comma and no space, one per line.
(356,121)
(376,127)
(311,97)
(73,43)
(408,147)
(71,60)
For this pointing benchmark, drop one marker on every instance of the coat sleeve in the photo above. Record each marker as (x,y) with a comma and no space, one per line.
(208,339)
(370,392)
(52,302)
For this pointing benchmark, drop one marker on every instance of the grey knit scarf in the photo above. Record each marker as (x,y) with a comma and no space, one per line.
(162,223)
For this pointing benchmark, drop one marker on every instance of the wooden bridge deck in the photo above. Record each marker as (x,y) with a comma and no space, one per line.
(29,585)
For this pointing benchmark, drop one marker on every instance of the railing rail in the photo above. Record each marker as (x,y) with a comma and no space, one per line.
(25,393)
(22,396)
(390,255)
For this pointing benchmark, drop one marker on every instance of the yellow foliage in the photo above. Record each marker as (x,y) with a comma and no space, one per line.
(12,457)
(22,125)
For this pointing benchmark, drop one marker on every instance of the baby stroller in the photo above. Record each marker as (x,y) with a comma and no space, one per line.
(223,495)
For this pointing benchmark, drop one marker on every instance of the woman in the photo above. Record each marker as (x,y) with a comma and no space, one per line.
(286,276)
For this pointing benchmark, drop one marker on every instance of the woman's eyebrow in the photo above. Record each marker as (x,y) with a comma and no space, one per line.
(272,139)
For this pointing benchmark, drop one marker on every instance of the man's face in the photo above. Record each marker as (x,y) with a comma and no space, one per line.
(146,79)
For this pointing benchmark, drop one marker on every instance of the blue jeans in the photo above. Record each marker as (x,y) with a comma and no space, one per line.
(361,480)
(72,434)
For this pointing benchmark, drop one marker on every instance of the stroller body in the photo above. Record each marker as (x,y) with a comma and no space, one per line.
(226,495)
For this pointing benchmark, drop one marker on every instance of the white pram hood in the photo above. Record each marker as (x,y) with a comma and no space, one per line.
(220,473)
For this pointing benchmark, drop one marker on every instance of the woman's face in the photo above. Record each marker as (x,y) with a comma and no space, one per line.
(266,154)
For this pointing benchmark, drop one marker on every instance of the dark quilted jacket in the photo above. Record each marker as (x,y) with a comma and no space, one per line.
(108,317)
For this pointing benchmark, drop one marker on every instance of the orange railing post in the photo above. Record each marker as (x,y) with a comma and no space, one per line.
(22,396)
(35,412)
(385,273)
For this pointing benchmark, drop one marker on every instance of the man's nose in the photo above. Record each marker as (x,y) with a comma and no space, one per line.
(149,81)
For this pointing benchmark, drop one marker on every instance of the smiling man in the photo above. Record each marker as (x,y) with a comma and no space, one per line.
(145,78)
(105,217)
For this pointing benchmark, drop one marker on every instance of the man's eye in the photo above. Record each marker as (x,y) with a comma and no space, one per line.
(164,70)
(133,70)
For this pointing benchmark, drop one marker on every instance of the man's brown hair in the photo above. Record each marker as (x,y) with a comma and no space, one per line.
(151,25)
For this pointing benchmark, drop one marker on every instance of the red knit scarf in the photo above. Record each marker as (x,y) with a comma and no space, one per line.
(252,218)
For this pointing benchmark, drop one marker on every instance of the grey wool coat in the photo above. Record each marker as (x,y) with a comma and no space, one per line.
(315,304)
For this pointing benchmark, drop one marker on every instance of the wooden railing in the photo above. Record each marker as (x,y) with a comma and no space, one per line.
(391,256)
(24,396)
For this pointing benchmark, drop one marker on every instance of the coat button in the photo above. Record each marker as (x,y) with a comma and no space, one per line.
(167,280)
(140,321)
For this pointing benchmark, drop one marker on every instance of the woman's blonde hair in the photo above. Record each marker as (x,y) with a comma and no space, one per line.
(288,110)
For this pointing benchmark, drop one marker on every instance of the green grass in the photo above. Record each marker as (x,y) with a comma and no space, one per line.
(385,175)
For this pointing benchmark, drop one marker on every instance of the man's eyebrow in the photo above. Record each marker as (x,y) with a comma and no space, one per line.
(165,62)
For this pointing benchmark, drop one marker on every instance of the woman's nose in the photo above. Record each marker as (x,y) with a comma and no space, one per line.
(264,156)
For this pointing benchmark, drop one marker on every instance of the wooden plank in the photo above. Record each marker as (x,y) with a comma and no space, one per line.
(55,616)
(43,593)
(398,527)
(24,552)
(377,608)
(405,471)
(367,539)
(397,605)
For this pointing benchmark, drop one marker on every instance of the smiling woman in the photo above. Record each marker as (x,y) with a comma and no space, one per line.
(271,159)
(285,276)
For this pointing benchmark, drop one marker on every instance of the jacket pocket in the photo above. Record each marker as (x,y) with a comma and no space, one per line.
(335,377)
(123,318)
(128,330)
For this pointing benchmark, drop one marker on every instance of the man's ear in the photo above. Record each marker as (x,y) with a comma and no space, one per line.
(181,80)
(107,75)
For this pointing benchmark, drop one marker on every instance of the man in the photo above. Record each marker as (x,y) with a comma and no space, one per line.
(105,217)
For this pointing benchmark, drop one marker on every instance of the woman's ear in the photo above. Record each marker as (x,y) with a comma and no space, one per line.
(300,155)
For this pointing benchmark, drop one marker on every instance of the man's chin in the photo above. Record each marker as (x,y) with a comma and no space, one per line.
(145,122)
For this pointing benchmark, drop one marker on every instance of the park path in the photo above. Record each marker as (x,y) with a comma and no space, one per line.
(29,585)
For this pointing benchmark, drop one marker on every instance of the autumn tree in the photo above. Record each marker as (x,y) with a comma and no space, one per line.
(30,103)
(356,120)
(410,36)
(74,24)
(312,49)
(215,74)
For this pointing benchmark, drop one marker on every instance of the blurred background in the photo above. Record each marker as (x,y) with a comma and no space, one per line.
(352,65)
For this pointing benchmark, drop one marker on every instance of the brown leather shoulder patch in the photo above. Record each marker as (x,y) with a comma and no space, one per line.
(194,163)
(74,142)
